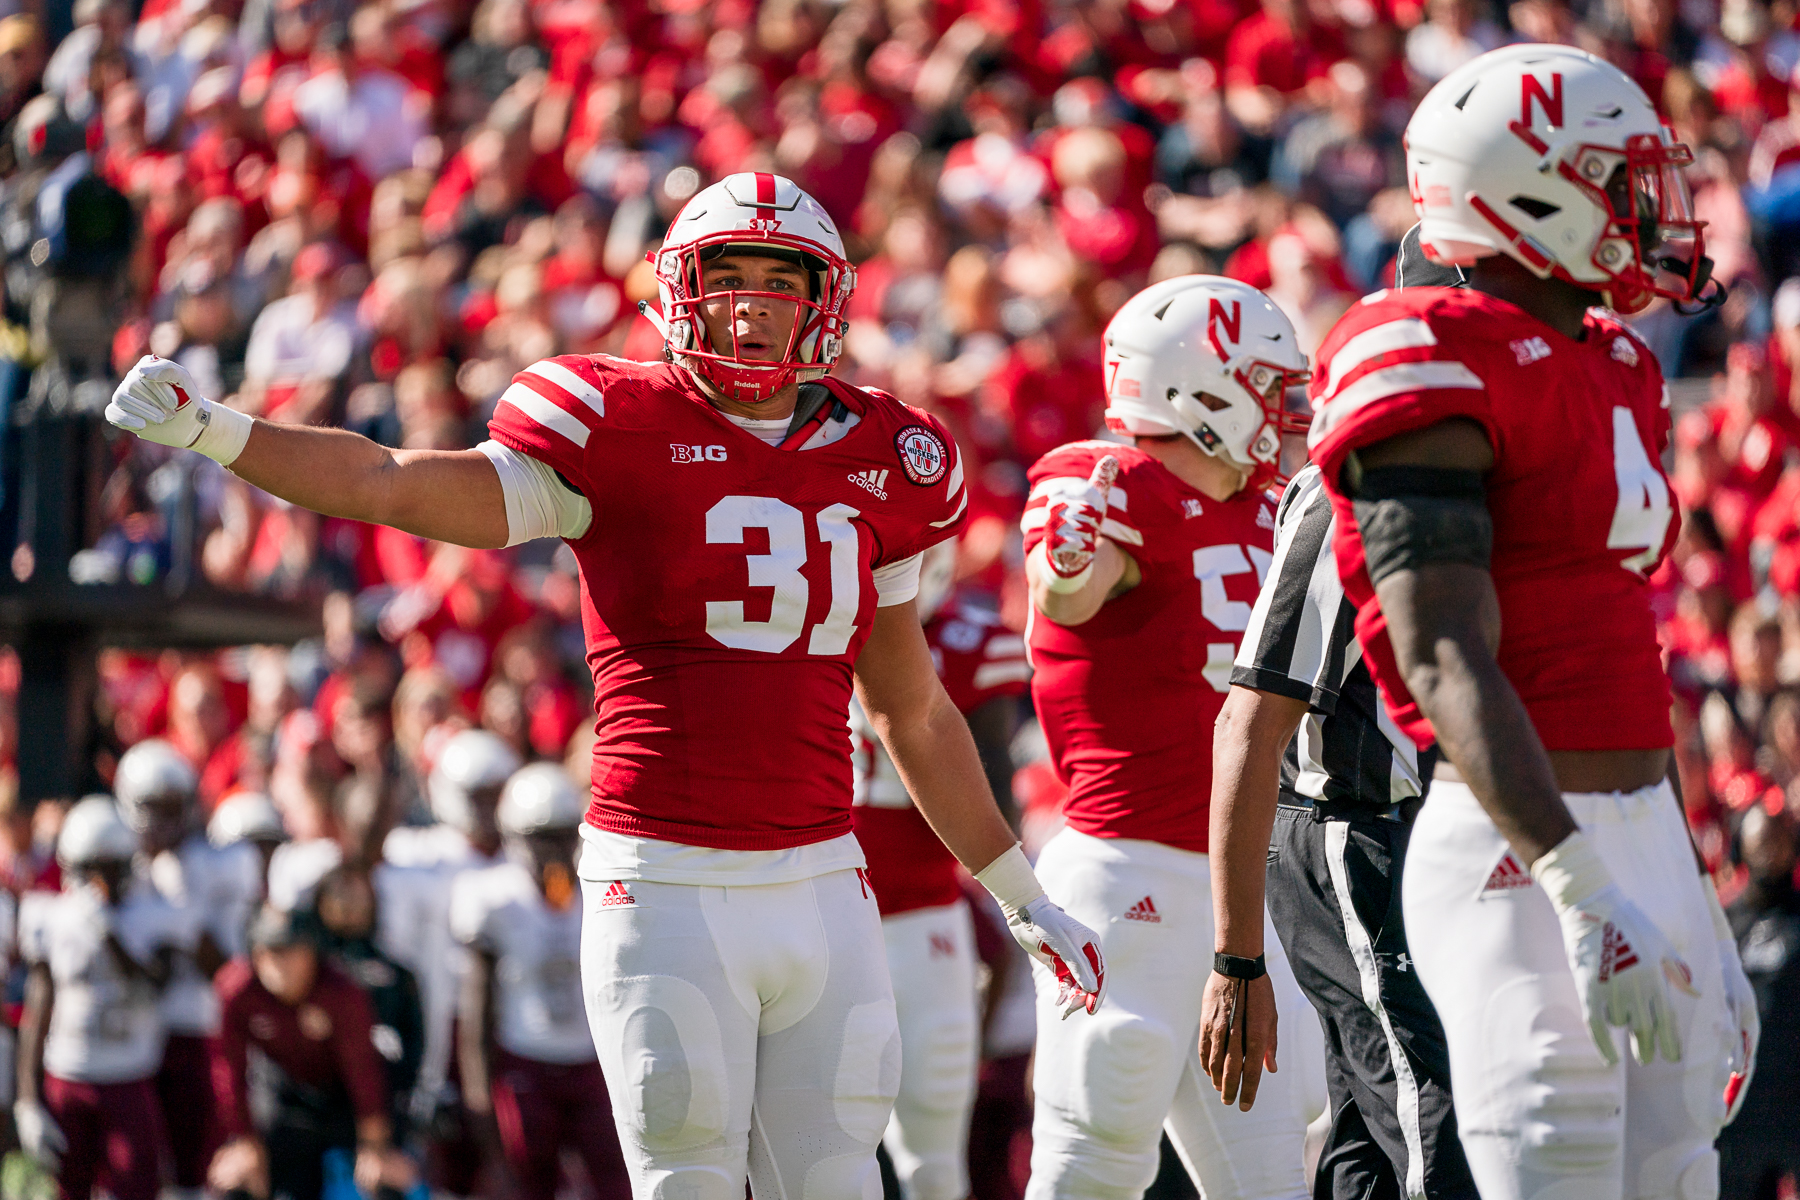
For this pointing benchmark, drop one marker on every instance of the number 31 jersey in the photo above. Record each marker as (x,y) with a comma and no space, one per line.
(1127,700)
(727,589)
(1581,509)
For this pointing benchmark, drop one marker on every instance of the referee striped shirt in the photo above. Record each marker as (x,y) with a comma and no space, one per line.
(1301,642)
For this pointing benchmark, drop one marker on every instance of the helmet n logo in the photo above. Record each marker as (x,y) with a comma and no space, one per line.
(1530,88)
(1232,324)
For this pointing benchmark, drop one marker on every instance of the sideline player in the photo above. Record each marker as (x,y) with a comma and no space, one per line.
(529,1075)
(215,888)
(99,954)
(1143,561)
(925,921)
(1491,455)
(1348,788)
(738,573)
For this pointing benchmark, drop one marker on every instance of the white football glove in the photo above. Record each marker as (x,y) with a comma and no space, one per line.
(1622,963)
(1047,933)
(157,400)
(1072,520)
(39,1136)
(1740,999)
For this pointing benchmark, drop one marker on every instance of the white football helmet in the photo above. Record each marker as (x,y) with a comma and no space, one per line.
(757,213)
(1210,358)
(94,831)
(247,816)
(1556,158)
(151,768)
(540,798)
(471,761)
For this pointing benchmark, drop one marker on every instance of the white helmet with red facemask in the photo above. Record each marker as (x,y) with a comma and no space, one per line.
(1209,358)
(1556,158)
(758,214)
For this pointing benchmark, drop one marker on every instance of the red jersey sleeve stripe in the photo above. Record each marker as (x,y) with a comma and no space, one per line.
(1406,334)
(578,388)
(1391,381)
(540,411)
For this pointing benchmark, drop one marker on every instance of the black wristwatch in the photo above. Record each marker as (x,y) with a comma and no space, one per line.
(1234,966)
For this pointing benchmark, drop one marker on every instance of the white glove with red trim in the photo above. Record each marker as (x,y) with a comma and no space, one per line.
(1623,965)
(40,1137)
(1740,999)
(1072,521)
(157,400)
(1047,933)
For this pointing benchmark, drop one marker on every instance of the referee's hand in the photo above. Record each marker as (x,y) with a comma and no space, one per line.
(1237,1036)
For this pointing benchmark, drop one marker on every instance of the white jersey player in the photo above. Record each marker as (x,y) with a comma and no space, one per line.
(99,954)
(215,889)
(529,1072)
(747,529)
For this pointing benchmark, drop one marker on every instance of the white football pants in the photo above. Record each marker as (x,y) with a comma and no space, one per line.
(931,956)
(1109,1083)
(743,1029)
(1541,1115)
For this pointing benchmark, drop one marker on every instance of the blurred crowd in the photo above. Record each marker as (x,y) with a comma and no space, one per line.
(372,215)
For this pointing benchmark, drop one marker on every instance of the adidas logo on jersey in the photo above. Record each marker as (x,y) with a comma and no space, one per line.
(872,482)
(1144,910)
(617,895)
(1530,350)
(1623,351)
(1507,876)
(1265,518)
(1616,953)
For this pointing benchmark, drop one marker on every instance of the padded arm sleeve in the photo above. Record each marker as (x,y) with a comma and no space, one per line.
(538,504)
(898,582)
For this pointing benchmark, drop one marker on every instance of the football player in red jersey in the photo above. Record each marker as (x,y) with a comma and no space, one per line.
(1143,561)
(925,921)
(1492,456)
(748,531)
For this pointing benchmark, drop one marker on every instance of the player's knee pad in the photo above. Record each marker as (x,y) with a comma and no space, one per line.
(1571,1125)
(694,1183)
(939,1067)
(676,1088)
(844,1177)
(1121,1080)
(868,1072)
(936,1177)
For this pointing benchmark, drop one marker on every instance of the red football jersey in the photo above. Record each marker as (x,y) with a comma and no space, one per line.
(979,660)
(726,590)
(1128,699)
(1581,509)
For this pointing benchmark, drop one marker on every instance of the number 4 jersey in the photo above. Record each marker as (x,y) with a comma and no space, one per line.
(1127,700)
(727,588)
(1580,507)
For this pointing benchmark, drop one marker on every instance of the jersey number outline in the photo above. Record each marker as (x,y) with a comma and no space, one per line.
(1212,564)
(1641,518)
(779,569)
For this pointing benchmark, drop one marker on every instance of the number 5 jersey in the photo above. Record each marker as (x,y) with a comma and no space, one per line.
(728,586)
(1580,506)
(1127,700)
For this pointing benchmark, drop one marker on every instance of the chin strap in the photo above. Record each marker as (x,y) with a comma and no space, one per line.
(1709,294)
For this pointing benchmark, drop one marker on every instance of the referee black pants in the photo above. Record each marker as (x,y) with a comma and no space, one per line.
(1334,894)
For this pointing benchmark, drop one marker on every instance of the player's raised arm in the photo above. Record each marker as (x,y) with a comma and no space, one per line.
(1076,569)
(451,496)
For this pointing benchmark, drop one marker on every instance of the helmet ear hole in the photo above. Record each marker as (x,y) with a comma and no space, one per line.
(1538,209)
(1212,402)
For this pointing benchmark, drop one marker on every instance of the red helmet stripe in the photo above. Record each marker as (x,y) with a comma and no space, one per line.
(765,196)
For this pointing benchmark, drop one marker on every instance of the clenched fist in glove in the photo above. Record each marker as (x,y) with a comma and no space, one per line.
(1072,521)
(1050,935)
(1740,1000)
(157,401)
(1623,965)
(39,1136)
